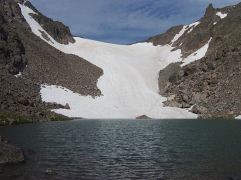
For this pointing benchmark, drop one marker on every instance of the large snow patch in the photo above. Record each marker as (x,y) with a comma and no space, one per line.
(129,84)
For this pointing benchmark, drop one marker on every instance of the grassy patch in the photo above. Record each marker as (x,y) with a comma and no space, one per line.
(16,119)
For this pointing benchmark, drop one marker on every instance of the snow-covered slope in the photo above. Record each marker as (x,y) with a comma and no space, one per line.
(130,81)
(197,54)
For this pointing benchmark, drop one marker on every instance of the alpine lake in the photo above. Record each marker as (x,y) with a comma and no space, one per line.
(126,149)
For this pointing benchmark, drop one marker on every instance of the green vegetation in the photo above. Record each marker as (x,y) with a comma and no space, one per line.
(16,119)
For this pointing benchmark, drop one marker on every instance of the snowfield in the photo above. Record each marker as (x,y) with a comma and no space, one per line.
(222,15)
(130,81)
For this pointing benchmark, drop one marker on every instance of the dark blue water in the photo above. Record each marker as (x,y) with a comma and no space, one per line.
(127,149)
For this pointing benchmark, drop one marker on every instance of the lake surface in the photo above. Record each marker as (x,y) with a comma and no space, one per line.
(126,149)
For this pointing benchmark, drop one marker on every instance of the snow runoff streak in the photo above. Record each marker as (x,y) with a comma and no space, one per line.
(130,81)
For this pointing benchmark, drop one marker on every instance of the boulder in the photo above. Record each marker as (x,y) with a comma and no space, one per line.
(66,106)
(9,153)
(143,117)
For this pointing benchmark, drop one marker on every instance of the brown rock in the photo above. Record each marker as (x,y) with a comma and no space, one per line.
(143,117)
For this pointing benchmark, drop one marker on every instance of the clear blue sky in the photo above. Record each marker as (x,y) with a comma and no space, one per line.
(124,21)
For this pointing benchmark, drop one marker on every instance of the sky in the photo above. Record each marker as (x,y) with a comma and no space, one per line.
(124,21)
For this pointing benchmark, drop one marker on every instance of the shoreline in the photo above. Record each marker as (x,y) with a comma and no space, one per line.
(7,119)
(11,119)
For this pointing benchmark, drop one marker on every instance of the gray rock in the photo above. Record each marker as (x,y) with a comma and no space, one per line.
(67,106)
(169,75)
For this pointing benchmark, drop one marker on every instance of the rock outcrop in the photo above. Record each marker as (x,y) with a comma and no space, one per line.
(143,117)
(166,38)
(58,31)
(171,74)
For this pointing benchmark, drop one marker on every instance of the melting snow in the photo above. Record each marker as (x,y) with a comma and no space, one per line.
(129,84)
(199,54)
(222,15)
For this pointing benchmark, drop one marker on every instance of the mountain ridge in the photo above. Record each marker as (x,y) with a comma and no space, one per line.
(206,84)
(191,61)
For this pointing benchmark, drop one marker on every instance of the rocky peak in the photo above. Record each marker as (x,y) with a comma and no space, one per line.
(210,10)
(10,11)
(57,30)
(194,36)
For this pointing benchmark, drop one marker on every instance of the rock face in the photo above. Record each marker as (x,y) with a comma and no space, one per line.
(166,38)
(12,51)
(210,85)
(26,62)
(10,154)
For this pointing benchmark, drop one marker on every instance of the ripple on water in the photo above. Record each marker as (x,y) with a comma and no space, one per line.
(134,149)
